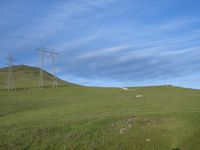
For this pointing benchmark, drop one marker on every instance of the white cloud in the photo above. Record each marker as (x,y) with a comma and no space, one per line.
(68,45)
(56,19)
(104,52)
(175,24)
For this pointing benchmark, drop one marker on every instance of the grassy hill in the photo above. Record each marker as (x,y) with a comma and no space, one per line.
(27,77)
(85,118)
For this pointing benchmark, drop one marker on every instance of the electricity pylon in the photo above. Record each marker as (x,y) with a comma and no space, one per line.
(53,57)
(10,84)
(51,53)
(42,55)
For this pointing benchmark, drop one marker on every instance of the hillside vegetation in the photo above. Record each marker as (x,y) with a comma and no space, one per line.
(85,118)
(27,77)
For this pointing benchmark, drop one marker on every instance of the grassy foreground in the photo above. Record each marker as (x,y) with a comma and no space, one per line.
(74,117)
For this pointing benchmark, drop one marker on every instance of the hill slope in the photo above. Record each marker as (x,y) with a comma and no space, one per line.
(86,118)
(27,77)
(74,117)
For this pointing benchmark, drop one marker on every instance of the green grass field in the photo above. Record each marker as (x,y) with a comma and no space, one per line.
(85,118)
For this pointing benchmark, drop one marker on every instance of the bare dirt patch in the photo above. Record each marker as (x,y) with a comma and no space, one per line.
(124,126)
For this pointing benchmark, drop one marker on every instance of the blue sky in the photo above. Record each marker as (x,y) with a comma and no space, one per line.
(107,42)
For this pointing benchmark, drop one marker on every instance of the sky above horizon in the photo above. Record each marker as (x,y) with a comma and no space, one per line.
(107,42)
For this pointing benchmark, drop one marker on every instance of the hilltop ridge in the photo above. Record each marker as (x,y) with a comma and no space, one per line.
(28,77)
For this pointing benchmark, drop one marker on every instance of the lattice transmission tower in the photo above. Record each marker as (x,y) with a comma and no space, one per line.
(53,55)
(10,83)
(43,54)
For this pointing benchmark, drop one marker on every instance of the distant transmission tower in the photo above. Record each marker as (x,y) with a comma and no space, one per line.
(53,57)
(10,84)
(52,54)
(42,56)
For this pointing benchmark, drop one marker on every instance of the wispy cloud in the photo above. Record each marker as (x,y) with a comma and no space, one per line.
(106,51)
(67,46)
